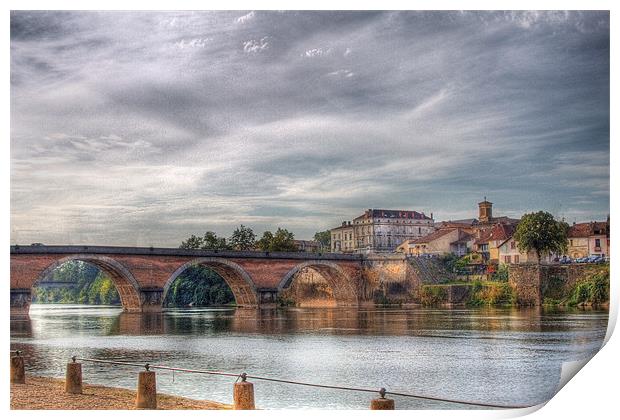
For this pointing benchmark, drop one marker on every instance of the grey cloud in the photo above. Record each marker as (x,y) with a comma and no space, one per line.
(171,123)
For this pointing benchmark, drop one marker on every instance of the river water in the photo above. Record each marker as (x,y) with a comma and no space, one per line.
(498,356)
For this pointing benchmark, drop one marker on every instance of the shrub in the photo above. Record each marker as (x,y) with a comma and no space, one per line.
(431,295)
(593,290)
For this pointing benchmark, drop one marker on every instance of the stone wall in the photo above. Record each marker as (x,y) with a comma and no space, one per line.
(533,283)
(388,279)
(525,281)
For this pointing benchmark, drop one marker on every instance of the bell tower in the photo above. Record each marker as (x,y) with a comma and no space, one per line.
(485,211)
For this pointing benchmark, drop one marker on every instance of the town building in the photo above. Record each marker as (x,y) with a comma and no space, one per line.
(489,231)
(457,241)
(485,219)
(585,239)
(489,239)
(508,252)
(379,230)
(342,238)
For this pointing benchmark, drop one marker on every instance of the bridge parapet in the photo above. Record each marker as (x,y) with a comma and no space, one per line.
(178,252)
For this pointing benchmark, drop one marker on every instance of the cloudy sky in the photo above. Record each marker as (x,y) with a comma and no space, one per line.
(141,128)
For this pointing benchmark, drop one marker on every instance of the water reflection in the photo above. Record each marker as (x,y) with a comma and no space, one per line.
(510,356)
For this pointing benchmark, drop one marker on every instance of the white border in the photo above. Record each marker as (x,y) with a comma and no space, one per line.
(591,395)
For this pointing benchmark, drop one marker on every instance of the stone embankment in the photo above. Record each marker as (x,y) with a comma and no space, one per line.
(40,393)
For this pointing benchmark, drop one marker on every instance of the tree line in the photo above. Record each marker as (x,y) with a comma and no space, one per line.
(243,238)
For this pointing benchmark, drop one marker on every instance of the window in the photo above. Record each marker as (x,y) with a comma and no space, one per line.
(571,242)
(597,243)
(516,259)
(507,259)
(512,245)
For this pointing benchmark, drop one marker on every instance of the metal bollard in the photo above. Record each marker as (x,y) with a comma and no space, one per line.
(382,403)
(147,389)
(18,374)
(73,379)
(243,394)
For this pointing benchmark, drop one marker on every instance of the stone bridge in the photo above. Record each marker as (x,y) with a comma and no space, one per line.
(142,276)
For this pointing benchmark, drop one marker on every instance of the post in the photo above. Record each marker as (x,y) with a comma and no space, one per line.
(382,403)
(147,389)
(18,374)
(243,394)
(73,379)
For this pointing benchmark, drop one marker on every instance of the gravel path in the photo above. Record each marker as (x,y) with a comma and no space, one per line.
(49,394)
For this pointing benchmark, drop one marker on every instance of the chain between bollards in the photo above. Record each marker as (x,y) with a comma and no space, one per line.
(387,402)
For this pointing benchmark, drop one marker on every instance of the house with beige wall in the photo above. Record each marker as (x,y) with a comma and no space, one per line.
(342,238)
(508,253)
(585,239)
(443,241)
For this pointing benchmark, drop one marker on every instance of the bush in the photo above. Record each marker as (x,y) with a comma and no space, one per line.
(593,290)
(431,295)
(501,274)
(491,294)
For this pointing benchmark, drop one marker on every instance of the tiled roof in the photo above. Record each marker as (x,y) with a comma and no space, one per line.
(394,214)
(462,222)
(432,236)
(463,238)
(584,230)
(485,235)
(501,232)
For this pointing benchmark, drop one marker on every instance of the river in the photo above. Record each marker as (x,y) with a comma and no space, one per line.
(498,356)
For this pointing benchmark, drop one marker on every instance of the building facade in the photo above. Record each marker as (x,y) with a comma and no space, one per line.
(509,254)
(379,230)
(457,241)
(585,239)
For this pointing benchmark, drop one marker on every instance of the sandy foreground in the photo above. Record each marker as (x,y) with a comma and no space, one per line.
(40,393)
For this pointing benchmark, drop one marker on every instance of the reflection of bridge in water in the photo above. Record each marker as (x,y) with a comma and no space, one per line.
(333,321)
(142,276)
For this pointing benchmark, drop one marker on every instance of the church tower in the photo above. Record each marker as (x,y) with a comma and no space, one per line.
(485,211)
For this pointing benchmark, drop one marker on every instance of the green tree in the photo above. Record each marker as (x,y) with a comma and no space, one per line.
(264,243)
(541,233)
(212,241)
(282,240)
(199,286)
(193,242)
(324,239)
(242,239)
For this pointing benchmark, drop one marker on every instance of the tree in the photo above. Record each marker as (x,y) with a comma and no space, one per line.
(324,239)
(541,233)
(282,240)
(242,239)
(212,241)
(264,243)
(193,242)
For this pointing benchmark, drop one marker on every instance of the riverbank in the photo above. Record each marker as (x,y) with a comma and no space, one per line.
(42,393)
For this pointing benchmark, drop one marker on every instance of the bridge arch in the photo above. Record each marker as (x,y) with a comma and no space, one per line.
(125,283)
(339,281)
(234,275)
